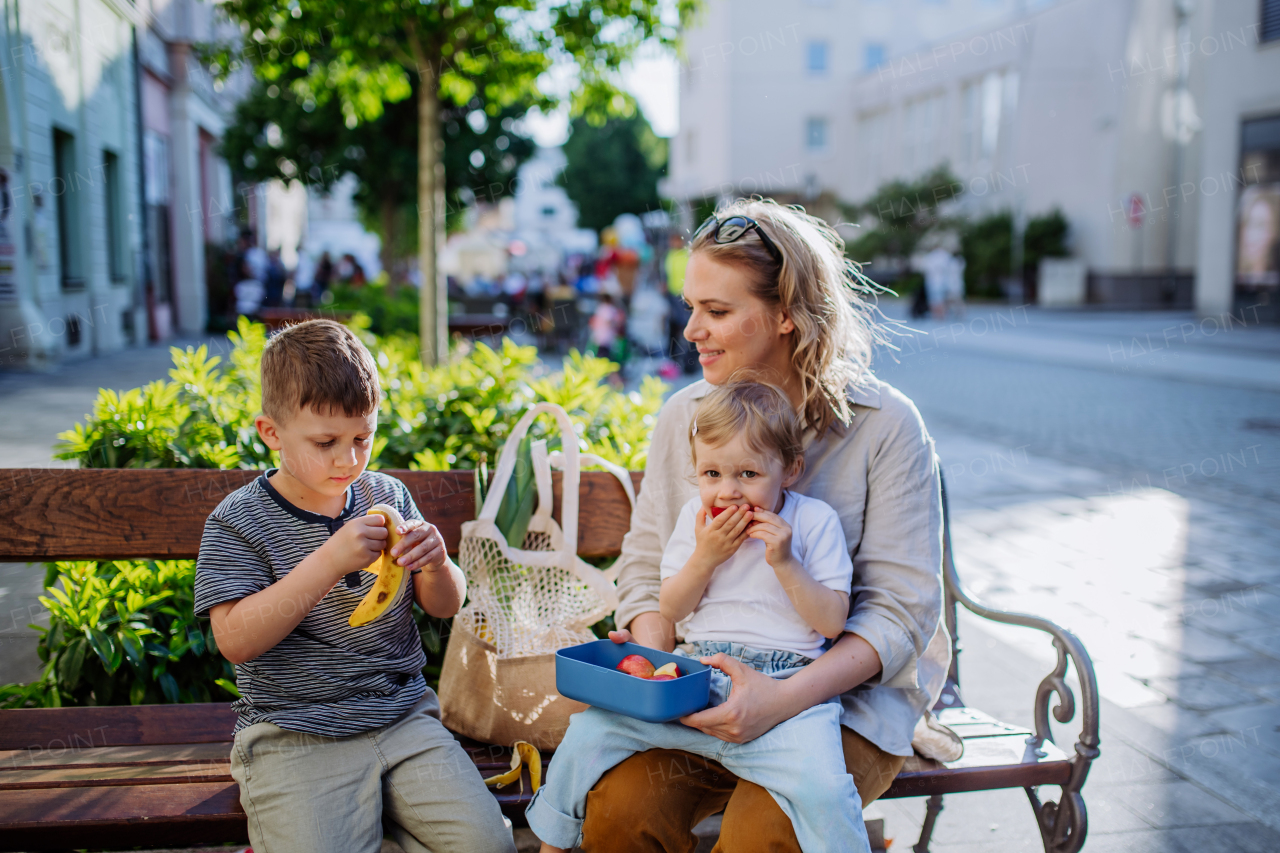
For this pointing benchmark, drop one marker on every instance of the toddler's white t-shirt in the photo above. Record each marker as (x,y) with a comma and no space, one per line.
(744,602)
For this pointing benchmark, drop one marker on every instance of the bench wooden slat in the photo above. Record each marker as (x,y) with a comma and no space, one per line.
(113,756)
(82,776)
(101,514)
(121,816)
(62,730)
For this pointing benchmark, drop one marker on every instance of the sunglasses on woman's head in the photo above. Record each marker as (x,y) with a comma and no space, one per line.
(732,229)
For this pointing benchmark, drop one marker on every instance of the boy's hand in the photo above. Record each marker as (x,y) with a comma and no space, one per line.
(776,536)
(421,548)
(721,539)
(356,545)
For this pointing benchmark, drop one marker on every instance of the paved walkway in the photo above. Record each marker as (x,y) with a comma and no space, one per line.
(1133,501)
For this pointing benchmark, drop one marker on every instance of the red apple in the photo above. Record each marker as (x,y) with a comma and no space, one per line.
(636,665)
(663,678)
(667,669)
(716,510)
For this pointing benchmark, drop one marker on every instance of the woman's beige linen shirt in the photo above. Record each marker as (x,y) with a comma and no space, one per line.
(880,475)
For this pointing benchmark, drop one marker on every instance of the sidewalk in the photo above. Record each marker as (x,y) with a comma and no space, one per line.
(1229,349)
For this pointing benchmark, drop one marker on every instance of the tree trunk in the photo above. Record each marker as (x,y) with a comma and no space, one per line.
(433,297)
(390,230)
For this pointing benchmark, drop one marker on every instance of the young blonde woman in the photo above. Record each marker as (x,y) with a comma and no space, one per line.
(770,291)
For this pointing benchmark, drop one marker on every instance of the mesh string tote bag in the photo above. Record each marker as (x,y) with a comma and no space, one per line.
(498,682)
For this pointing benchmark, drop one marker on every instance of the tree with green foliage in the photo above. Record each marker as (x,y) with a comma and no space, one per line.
(276,135)
(613,168)
(987,246)
(900,213)
(370,53)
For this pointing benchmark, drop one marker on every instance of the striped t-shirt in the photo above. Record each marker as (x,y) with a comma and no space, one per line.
(325,677)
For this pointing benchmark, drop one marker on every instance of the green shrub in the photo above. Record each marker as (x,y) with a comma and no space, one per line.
(124,631)
(391,309)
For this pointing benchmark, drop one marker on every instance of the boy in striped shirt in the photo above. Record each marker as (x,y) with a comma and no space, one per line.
(338,731)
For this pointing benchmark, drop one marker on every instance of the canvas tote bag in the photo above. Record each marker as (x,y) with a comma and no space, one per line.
(498,682)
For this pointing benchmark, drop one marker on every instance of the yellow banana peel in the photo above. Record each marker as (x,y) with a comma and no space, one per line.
(391,576)
(522,754)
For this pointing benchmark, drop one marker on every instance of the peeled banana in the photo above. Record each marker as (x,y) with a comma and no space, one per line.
(391,575)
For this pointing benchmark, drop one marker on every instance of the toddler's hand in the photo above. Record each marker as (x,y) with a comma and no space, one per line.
(721,539)
(356,545)
(776,536)
(421,548)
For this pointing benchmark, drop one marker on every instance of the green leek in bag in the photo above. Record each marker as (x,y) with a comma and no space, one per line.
(517,504)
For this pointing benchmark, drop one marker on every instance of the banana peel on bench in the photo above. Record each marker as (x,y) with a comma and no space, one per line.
(522,754)
(391,575)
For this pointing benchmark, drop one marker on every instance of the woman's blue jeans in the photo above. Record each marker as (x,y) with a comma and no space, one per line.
(799,761)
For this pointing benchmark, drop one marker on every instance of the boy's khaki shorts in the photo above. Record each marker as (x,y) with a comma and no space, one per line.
(313,794)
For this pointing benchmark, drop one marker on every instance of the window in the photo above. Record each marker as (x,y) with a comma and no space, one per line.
(1270,13)
(922,122)
(872,131)
(112,202)
(64,188)
(816,134)
(873,56)
(970,122)
(816,57)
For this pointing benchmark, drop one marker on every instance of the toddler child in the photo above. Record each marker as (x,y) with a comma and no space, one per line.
(337,729)
(766,580)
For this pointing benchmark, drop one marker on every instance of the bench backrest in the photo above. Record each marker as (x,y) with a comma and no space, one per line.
(114,514)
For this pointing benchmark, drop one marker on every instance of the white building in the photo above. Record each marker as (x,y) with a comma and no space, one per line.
(109,175)
(765,89)
(69,208)
(1128,115)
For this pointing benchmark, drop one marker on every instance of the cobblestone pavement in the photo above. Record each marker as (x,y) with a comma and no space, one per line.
(1137,507)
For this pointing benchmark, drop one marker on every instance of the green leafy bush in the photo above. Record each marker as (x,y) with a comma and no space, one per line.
(391,309)
(124,631)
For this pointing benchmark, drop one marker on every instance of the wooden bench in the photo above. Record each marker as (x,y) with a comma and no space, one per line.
(160,775)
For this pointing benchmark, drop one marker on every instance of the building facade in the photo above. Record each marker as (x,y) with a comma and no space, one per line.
(110,181)
(70,236)
(1130,116)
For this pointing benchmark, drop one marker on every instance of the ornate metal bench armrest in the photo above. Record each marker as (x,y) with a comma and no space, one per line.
(1063,825)
(1069,647)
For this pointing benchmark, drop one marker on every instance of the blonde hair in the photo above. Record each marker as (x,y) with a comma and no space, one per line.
(319,364)
(756,410)
(824,293)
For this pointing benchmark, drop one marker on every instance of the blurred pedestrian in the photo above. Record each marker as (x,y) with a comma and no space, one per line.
(678,350)
(273,284)
(249,293)
(936,266)
(605,329)
(322,278)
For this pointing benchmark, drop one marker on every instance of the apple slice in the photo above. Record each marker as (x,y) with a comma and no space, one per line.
(637,665)
(716,510)
(668,669)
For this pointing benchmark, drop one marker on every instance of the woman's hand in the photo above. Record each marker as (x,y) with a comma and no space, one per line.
(756,704)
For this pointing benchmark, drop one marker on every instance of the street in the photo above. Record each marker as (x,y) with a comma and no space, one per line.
(1130,495)
(1127,493)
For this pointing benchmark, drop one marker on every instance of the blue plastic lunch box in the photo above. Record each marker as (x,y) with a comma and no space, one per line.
(588,674)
